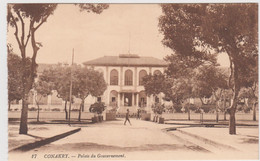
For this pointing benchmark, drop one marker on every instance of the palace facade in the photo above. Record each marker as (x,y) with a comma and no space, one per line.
(124,76)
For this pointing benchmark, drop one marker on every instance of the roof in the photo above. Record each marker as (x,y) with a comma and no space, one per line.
(127,60)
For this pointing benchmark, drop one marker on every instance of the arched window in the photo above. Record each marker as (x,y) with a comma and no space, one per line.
(114,77)
(157,72)
(128,78)
(142,74)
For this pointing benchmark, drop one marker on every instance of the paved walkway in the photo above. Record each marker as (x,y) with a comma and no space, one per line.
(146,140)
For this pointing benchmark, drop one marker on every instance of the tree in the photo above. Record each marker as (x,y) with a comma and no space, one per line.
(87,82)
(35,15)
(180,72)
(196,31)
(251,95)
(15,86)
(58,75)
(43,89)
(249,84)
(154,84)
(210,81)
(17,17)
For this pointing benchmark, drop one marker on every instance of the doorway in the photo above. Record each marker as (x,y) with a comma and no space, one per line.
(128,99)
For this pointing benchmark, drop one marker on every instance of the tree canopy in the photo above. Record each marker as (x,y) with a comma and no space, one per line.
(198,31)
(15,86)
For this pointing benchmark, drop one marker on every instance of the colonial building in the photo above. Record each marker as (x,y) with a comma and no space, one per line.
(124,76)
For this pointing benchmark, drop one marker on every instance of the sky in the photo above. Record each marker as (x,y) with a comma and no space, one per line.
(121,29)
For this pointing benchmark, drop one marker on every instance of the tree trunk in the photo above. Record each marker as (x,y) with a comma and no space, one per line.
(81,106)
(232,119)
(65,109)
(232,122)
(38,111)
(189,112)
(9,105)
(217,114)
(254,111)
(225,112)
(27,86)
(24,115)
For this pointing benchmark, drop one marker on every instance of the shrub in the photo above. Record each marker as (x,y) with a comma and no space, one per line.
(97,107)
(158,108)
(32,109)
(177,108)
(55,109)
(208,108)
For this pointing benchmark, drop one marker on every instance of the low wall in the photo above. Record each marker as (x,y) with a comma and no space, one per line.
(110,116)
(146,116)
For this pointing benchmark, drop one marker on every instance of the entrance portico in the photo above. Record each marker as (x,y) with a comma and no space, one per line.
(132,100)
(128,98)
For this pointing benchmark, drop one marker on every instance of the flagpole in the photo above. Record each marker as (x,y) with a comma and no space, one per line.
(71,82)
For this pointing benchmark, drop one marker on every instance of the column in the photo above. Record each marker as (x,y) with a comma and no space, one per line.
(137,95)
(107,71)
(121,77)
(118,99)
(133,99)
(123,100)
(108,97)
(135,78)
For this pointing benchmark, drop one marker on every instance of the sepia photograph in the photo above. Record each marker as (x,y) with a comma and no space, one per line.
(107,81)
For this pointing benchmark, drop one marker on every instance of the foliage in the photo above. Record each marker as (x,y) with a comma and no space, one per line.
(43,88)
(158,108)
(97,107)
(58,75)
(197,31)
(95,8)
(179,77)
(180,90)
(15,86)
(208,80)
(88,82)
(154,84)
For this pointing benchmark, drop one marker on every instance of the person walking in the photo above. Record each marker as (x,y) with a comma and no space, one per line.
(127,117)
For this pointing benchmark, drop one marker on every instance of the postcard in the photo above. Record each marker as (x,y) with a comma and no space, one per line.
(129,81)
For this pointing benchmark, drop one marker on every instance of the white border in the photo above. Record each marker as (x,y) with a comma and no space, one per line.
(133,1)
(3,85)
(3,51)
